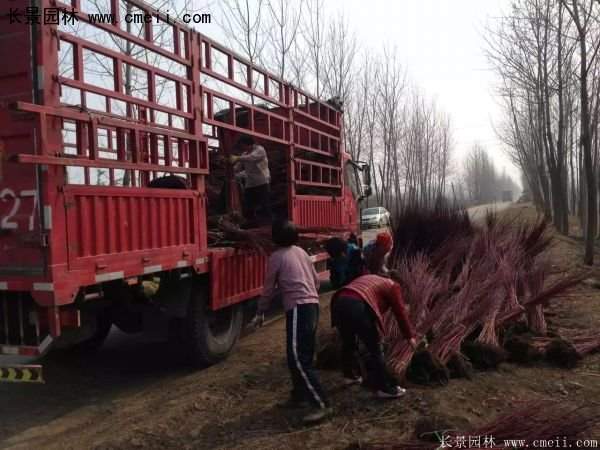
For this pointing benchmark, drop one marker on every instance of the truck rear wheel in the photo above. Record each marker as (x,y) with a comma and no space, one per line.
(93,343)
(210,335)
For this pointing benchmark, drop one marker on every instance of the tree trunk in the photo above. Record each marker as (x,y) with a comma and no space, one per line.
(586,143)
(545,193)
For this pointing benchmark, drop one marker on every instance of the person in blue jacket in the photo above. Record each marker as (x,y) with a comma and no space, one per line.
(345,261)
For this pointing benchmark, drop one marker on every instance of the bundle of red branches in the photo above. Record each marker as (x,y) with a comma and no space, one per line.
(546,420)
(583,342)
(464,283)
(225,231)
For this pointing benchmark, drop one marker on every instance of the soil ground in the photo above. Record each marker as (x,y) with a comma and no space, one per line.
(134,394)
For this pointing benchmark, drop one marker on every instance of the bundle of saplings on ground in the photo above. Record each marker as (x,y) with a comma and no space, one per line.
(476,295)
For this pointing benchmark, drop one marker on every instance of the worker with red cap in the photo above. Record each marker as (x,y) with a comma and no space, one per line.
(375,253)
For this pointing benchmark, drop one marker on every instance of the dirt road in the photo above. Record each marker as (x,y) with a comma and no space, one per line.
(135,394)
(479,212)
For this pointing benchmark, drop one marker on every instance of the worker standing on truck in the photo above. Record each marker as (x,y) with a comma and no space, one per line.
(376,253)
(357,311)
(291,273)
(253,166)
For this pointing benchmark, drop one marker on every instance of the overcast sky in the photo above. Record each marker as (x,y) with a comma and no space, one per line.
(441,44)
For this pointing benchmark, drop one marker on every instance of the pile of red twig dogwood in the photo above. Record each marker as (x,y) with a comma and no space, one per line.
(465,285)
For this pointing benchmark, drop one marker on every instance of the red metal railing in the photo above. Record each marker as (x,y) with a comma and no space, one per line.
(238,72)
(311,173)
(134,102)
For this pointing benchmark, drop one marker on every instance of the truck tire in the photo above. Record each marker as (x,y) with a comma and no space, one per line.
(210,335)
(93,344)
(130,322)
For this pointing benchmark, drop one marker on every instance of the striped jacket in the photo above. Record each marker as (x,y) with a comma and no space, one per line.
(381,294)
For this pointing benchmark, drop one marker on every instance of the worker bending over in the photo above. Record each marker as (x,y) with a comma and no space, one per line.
(253,166)
(291,273)
(357,311)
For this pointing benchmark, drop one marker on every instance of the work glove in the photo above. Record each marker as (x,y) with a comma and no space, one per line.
(258,321)
(233,159)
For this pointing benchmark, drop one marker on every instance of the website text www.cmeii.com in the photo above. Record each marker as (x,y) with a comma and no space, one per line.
(472,442)
(56,16)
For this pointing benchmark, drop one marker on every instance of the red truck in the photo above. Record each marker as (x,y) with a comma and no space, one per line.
(93,116)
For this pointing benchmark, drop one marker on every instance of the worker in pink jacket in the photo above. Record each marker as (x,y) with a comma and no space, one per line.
(357,311)
(291,273)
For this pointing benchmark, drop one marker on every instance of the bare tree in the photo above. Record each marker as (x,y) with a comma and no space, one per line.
(529,51)
(547,55)
(299,64)
(425,151)
(283,33)
(243,25)
(585,15)
(359,111)
(391,86)
(314,34)
(338,57)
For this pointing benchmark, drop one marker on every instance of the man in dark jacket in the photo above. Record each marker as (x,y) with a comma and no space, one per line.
(357,311)
(345,261)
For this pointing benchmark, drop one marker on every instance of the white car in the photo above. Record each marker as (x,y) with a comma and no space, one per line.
(375,217)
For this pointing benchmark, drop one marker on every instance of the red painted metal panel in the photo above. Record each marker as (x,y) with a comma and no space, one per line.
(235,275)
(318,211)
(20,201)
(113,229)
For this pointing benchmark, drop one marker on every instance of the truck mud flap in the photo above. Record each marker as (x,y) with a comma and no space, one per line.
(21,374)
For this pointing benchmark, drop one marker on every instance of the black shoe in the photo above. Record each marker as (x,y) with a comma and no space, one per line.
(391,392)
(317,415)
(354,379)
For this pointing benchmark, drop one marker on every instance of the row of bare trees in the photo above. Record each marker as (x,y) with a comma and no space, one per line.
(402,134)
(546,53)
(388,122)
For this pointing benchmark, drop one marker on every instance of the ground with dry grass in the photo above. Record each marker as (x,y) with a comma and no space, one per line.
(233,404)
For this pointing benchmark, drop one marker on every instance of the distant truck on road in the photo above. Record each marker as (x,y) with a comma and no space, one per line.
(507,196)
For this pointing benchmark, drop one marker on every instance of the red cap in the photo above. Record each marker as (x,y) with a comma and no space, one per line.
(384,240)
